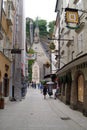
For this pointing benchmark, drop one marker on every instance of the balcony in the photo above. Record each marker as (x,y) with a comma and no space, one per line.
(1,35)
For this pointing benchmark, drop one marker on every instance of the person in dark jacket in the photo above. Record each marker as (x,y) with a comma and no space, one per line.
(50,90)
(44,91)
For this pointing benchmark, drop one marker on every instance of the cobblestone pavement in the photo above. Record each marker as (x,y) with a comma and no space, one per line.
(36,113)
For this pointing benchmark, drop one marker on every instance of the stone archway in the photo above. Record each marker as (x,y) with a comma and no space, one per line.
(6,85)
(80,90)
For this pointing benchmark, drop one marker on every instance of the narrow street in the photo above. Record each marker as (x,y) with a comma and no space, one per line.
(35,113)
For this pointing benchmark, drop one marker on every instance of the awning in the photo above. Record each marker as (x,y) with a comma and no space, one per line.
(70,65)
(50,82)
(52,76)
(48,76)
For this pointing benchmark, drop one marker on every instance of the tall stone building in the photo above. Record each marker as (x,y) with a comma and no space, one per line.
(36,73)
(40,55)
(7,11)
(12,48)
(36,32)
(19,44)
(73,53)
(41,60)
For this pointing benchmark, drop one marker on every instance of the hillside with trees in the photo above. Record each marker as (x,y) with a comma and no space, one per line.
(45,29)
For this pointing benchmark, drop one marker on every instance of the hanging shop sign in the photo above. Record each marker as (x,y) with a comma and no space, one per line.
(72,15)
(16,51)
(71,18)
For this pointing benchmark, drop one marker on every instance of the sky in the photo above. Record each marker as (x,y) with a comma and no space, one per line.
(44,9)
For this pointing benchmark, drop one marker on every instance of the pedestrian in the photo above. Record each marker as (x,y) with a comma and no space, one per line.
(50,90)
(44,91)
(41,87)
(57,91)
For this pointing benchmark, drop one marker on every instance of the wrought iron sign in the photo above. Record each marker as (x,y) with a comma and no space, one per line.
(71,18)
(16,51)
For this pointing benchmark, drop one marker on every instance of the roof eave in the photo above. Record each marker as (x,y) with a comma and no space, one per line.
(56,6)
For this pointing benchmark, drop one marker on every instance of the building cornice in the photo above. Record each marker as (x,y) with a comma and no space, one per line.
(73,63)
(56,6)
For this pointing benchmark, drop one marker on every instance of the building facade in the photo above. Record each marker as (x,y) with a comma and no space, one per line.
(72,60)
(12,42)
(19,44)
(7,9)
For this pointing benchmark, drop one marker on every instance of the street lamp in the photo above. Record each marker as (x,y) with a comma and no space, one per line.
(57,52)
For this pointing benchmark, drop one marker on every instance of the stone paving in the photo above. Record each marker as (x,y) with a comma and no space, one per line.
(36,113)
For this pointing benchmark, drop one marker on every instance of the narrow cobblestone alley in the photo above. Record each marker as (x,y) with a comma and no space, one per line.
(35,113)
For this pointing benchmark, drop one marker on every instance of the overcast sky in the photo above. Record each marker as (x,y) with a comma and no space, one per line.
(44,9)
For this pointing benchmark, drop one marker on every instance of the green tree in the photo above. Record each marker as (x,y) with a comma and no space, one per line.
(51,28)
(43,27)
(42,24)
(27,29)
(30,63)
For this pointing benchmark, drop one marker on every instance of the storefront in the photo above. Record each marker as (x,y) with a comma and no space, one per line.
(73,84)
(4,77)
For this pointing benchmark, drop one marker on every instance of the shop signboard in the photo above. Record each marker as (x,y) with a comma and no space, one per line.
(71,16)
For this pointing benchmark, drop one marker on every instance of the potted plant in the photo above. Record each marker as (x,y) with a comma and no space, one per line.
(52,46)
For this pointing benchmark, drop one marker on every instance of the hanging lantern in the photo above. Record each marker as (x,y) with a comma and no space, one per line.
(52,46)
(47,64)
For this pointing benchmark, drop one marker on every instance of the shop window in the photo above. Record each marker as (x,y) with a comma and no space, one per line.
(80,88)
(63,89)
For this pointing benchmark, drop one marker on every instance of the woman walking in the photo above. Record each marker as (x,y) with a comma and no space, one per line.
(45,91)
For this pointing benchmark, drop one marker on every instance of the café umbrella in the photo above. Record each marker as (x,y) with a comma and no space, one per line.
(50,82)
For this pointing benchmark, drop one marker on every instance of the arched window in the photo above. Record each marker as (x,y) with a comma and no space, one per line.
(80,88)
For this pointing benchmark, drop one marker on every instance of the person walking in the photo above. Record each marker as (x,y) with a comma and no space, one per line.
(44,91)
(50,90)
(41,87)
(57,91)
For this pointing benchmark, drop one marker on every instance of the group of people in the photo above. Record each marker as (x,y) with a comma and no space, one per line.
(48,89)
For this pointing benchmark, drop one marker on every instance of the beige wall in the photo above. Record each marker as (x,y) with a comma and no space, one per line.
(4,61)
(6,27)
